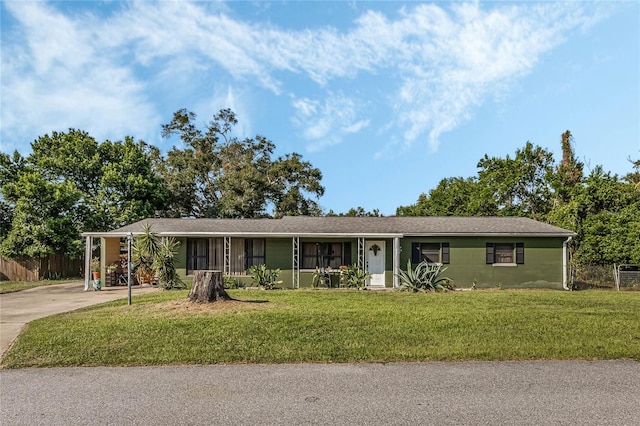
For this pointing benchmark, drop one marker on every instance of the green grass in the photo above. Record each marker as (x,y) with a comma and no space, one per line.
(338,326)
(13,286)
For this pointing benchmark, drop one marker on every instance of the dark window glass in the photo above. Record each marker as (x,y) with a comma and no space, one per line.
(197,254)
(254,252)
(321,255)
(431,252)
(505,253)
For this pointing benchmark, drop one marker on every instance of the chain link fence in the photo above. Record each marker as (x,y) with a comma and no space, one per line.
(600,277)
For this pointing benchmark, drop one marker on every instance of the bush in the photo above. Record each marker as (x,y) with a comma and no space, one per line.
(353,277)
(263,277)
(425,277)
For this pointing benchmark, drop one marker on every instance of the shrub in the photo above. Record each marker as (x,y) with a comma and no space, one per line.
(263,277)
(425,277)
(165,267)
(353,277)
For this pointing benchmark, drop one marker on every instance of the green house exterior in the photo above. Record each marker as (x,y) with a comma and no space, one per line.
(508,252)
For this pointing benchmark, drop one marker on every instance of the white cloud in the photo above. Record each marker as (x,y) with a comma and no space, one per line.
(327,123)
(434,64)
(61,78)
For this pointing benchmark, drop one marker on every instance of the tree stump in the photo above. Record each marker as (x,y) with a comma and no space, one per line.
(208,286)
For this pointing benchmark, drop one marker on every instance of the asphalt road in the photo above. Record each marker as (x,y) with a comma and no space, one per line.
(476,393)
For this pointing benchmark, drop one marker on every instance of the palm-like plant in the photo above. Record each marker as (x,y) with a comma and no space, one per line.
(425,277)
(165,267)
(155,259)
(144,250)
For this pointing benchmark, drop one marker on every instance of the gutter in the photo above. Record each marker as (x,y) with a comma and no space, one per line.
(565,256)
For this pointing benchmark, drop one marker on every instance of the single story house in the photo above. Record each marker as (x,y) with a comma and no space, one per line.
(510,252)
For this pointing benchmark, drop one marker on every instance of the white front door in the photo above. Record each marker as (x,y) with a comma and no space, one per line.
(375,254)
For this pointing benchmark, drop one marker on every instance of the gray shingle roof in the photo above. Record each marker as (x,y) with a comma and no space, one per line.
(356,226)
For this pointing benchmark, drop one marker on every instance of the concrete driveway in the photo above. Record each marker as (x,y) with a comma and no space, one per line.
(19,308)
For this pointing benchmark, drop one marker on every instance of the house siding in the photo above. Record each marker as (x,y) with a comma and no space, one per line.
(468,253)
(542,267)
(542,262)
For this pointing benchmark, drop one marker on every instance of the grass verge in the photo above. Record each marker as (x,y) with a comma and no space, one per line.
(337,326)
(13,286)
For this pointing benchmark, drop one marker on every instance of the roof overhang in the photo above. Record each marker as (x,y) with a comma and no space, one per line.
(245,234)
(490,234)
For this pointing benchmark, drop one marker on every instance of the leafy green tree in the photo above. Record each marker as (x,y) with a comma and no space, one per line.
(634,176)
(11,168)
(129,189)
(569,172)
(603,211)
(70,183)
(218,175)
(291,180)
(455,196)
(518,186)
(70,157)
(43,219)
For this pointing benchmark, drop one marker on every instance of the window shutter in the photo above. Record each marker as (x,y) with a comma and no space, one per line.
(520,253)
(445,253)
(346,253)
(415,253)
(489,253)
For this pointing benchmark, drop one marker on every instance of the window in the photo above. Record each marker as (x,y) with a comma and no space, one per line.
(204,253)
(197,254)
(208,253)
(321,255)
(431,252)
(254,252)
(246,252)
(505,253)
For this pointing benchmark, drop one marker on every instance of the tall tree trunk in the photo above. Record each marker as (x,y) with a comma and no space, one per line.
(208,286)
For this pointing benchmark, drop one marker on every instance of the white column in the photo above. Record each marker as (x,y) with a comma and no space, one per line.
(296,262)
(396,261)
(87,263)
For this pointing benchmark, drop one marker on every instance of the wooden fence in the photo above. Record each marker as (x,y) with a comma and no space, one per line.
(55,266)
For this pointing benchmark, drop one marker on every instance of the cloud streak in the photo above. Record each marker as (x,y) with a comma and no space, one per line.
(99,73)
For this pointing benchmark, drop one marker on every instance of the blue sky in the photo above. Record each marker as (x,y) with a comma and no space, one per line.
(385,98)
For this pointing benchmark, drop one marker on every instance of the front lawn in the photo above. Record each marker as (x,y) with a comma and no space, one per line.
(337,326)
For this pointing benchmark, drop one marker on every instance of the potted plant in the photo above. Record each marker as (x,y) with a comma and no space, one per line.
(95,268)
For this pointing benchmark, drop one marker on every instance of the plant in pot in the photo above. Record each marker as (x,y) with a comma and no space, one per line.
(95,268)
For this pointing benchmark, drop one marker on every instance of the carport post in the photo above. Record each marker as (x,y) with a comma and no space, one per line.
(129,264)
(87,262)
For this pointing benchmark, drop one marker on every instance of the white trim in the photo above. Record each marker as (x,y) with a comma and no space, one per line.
(248,234)
(396,261)
(87,262)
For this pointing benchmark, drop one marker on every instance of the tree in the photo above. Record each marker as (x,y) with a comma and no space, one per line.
(603,211)
(518,186)
(290,181)
(130,189)
(70,183)
(634,176)
(218,175)
(455,196)
(43,219)
(568,173)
